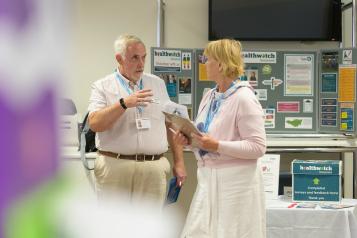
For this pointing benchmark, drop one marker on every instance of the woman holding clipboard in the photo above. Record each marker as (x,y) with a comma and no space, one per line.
(229,199)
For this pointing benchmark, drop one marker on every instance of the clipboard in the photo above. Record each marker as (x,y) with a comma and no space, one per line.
(184,125)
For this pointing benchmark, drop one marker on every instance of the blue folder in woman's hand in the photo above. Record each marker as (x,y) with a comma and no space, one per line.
(173,192)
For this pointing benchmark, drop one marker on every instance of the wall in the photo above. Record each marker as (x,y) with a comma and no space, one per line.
(96,24)
(347,26)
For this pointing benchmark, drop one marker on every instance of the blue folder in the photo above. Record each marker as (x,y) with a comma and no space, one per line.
(173,191)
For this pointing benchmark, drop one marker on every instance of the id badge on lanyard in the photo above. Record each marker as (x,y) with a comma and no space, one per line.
(142,123)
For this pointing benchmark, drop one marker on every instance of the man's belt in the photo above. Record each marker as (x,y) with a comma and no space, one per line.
(137,157)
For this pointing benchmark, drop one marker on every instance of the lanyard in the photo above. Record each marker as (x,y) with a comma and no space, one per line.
(212,111)
(215,104)
(126,85)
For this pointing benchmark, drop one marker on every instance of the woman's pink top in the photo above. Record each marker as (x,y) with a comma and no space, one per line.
(239,128)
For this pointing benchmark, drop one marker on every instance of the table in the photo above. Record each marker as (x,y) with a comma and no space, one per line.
(284,222)
(321,143)
(71,163)
(71,152)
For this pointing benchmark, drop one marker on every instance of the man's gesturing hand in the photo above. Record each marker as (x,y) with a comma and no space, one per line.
(139,98)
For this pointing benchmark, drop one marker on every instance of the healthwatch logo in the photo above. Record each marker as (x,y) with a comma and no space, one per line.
(315,168)
(167,53)
(259,57)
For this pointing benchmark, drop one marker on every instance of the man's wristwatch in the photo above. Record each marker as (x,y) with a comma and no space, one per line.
(122,103)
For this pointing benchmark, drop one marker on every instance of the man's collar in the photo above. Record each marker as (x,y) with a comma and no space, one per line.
(125,79)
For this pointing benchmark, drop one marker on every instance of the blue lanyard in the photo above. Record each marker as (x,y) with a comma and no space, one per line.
(214,106)
(126,85)
(213,109)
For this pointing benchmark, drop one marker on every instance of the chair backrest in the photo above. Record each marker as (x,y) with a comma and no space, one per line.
(67,107)
(87,142)
(68,123)
(89,135)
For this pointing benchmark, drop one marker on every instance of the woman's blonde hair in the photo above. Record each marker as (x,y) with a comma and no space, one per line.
(229,54)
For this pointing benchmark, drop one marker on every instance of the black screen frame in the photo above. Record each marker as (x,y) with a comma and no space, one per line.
(336,31)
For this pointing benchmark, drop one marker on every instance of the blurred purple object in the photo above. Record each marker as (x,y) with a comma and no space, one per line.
(16,12)
(29,148)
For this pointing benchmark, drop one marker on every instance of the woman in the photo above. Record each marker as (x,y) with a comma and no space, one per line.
(229,199)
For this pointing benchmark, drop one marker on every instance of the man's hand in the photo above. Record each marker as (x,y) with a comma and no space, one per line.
(179,171)
(139,98)
(176,141)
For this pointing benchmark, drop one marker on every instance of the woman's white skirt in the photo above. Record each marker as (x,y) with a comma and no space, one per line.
(228,203)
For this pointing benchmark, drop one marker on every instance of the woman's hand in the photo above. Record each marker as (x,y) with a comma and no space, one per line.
(179,138)
(206,142)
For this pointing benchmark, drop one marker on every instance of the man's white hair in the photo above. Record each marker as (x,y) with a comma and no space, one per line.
(123,41)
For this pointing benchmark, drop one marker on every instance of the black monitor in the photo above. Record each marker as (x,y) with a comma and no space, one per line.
(275,20)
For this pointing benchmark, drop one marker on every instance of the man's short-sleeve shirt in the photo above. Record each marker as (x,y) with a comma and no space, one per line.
(124,137)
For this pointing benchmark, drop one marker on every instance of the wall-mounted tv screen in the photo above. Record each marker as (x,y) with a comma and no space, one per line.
(298,20)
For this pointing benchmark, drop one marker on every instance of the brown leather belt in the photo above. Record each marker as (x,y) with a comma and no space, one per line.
(137,157)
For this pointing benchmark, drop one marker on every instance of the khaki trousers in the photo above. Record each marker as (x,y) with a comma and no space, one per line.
(130,181)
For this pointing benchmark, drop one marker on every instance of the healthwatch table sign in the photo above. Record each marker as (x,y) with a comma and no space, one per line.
(317,180)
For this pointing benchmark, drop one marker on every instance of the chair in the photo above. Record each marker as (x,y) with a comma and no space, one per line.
(70,135)
(68,123)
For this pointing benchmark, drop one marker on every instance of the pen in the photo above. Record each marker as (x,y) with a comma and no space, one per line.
(292,205)
(172,130)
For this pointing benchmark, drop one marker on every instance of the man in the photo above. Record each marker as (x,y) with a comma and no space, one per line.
(125,110)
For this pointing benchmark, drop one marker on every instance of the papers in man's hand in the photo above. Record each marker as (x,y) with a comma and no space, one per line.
(174,108)
(173,191)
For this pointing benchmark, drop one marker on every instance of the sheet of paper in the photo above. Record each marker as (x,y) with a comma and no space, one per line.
(175,108)
(270,164)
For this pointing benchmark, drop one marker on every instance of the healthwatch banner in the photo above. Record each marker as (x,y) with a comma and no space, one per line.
(317,167)
(259,57)
(167,60)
